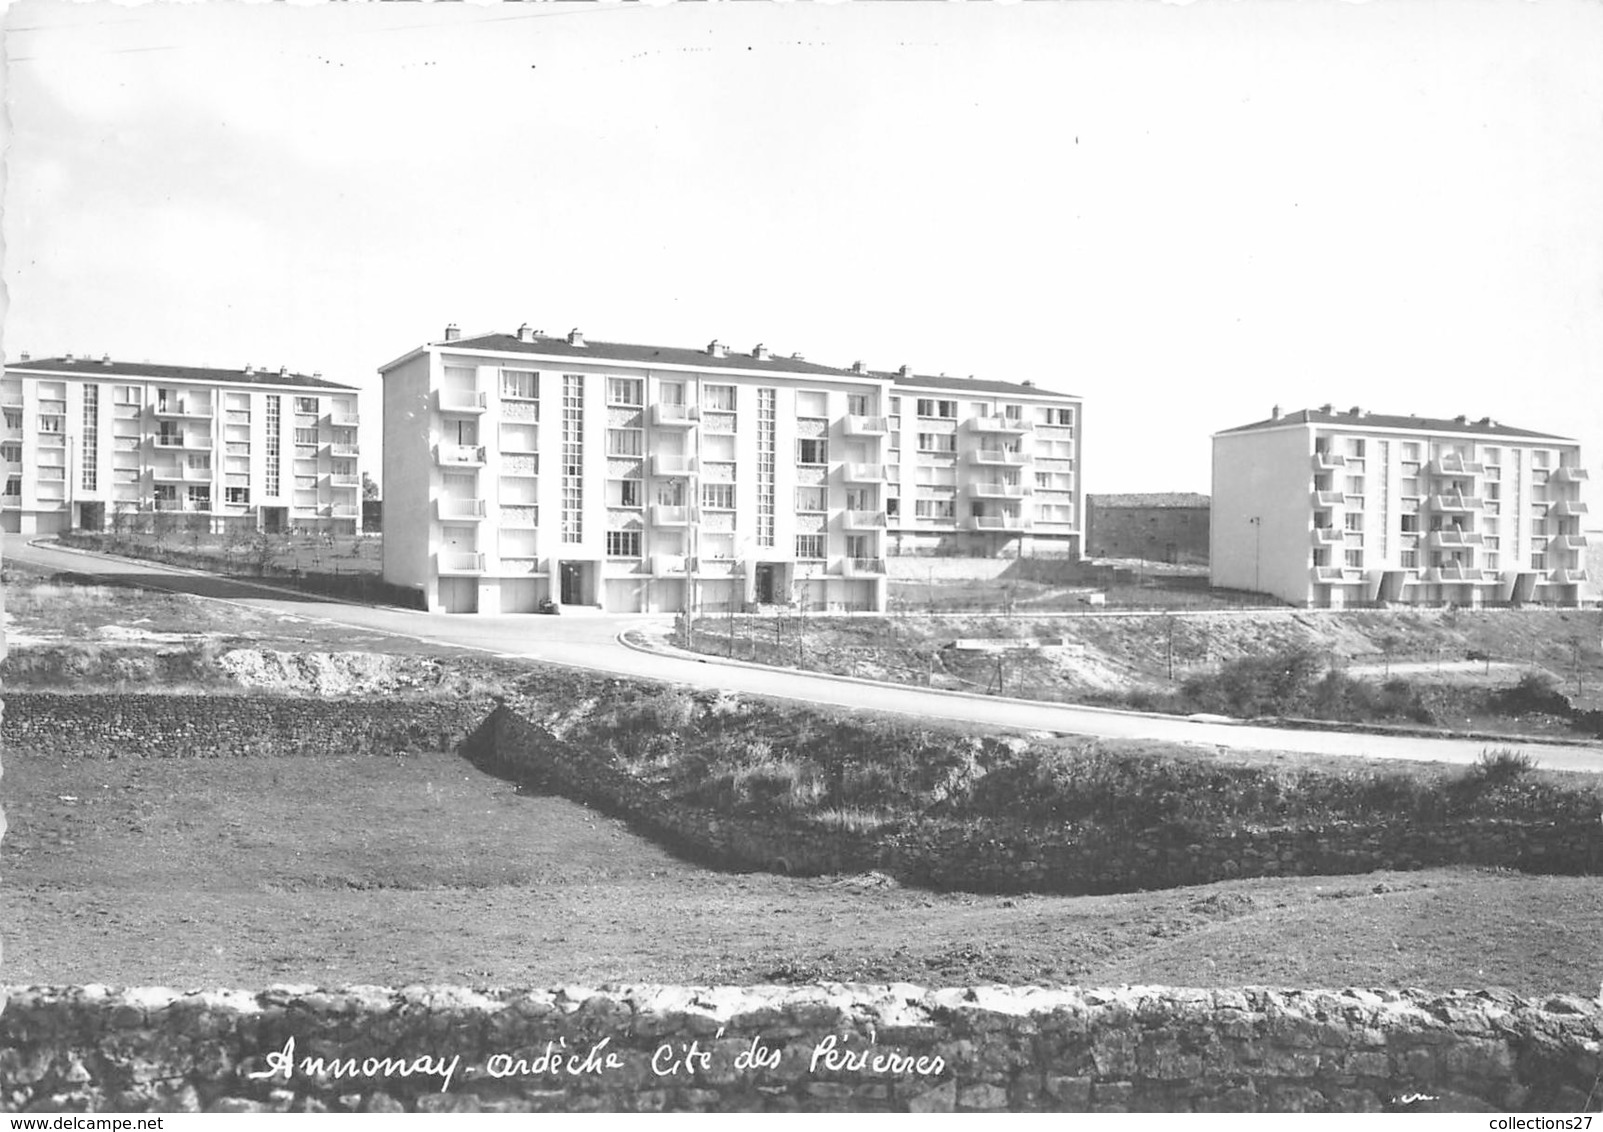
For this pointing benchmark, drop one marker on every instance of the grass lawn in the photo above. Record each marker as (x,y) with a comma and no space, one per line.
(397,870)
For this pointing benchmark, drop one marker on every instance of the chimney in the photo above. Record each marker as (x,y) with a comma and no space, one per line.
(452,333)
(250,371)
(68,359)
(716,349)
(525,334)
(905,371)
(23,356)
(1461,419)
(316,374)
(1274,413)
(1028,383)
(859,367)
(1355,411)
(760,352)
(283,371)
(1327,408)
(575,337)
(105,359)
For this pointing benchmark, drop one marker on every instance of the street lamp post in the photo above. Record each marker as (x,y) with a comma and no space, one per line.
(1257,553)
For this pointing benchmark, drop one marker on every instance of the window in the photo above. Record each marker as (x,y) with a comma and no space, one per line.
(718,496)
(896,404)
(50,424)
(625,442)
(671,393)
(519,384)
(306,404)
(719,398)
(13,487)
(812,451)
(130,395)
(11,452)
(929,407)
(625,493)
(623,391)
(236,496)
(935,508)
(1353,522)
(200,496)
(1410,524)
(1409,559)
(810,546)
(857,404)
(1063,418)
(306,436)
(1355,559)
(13,418)
(623,544)
(809,499)
(937,442)
(200,461)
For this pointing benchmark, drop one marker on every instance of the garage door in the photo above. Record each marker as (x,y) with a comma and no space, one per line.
(621,595)
(520,595)
(459,595)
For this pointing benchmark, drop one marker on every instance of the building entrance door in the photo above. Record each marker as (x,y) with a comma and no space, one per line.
(572,584)
(763,583)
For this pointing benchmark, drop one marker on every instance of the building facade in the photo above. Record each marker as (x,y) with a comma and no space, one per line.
(1169,526)
(92,443)
(1331,509)
(523,468)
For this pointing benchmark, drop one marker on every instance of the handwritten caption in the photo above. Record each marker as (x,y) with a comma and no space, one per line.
(557,1061)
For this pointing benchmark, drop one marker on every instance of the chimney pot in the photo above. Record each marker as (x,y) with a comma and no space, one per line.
(905,371)
(1327,408)
(1355,411)
(1274,413)
(575,337)
(250,371)
(759,351)
(105,359)
(24,356)
(68,359)
(859,367)
(283,371)
(525,334)
(716,348)
(452,332)
(1462,419)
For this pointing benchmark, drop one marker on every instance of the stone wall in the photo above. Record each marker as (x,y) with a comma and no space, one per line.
(1157,533)
(209,726)
(816,1048)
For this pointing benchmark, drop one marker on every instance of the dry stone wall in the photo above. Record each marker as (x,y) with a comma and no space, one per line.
(817,1048)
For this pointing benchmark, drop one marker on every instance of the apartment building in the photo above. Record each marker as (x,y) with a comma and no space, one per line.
(1331,509)
(521,468)
(92,443)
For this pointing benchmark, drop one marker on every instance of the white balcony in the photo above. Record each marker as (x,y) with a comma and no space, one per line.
(1454,502)
(863,473)
(1457,572)
(996,489)
(340,448)
(519,516)
(343,420)
(1000,426)
(1568,542)
(667,565)
(1450,466)
(999,522)
(866,426)
(342,511)
(462,401)
(1327,536)
(666,464)
(668,515)
(184,440)
(1329,498)
(863,567)
(461,562)
(459,455)
(182,408)
(1567,508)
(675,416)
(458,508)
(1567,576)
(1329,461)
(863,520)
(1454,537)
(1330,575)
(1568,473)
(168,474)
(999,457)
(342,480)
(517,565)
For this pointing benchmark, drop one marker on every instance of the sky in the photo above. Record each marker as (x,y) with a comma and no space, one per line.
(1184,214)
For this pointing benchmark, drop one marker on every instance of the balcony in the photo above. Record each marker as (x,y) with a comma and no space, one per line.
(866,426)
(1448,466)
(457,508)
(675,416)
(863,473)
(1327,536)
(664,464)
(1329,461)
(864,520)
(668,565)
(997,489)
(461,562)
(459,455)
(182,409)
(1567,576)
(669,515)
(172,505)
(1001,457)
(1567,509)
(518,565)
(1568,473)
(167,475)
(1454,502)
(1000,426)
(343,480)
(1329,575)
(1450,537)
(519,516)
(462,401)
(1568,542)
(1456,572)
(342,511)
(340,448)
(184,440)
(343,419)
(999,522)
(1329,498)
(863,567)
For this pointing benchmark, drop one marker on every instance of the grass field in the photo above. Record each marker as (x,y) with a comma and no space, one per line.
(397,870)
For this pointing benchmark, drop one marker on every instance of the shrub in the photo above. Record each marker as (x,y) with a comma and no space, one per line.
(1281,683)
(1502,767)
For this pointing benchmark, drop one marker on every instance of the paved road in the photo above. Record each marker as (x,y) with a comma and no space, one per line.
(591,642)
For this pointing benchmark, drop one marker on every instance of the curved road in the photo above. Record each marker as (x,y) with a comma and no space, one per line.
(591,642)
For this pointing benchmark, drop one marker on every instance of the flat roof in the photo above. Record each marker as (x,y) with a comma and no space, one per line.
(94,368)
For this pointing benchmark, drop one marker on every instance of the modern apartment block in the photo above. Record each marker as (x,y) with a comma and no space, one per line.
(90,443)
(520,468)
(1331,509)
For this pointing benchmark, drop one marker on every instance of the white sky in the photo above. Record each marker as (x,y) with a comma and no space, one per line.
(1184,214)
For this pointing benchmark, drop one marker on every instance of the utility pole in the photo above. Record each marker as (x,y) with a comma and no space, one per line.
(1257,553)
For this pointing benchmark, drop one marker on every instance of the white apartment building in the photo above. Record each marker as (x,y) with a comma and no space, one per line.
(520,468)
(1331,509)
(90,443)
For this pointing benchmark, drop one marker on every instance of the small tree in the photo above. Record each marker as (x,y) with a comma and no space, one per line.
(369,487)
